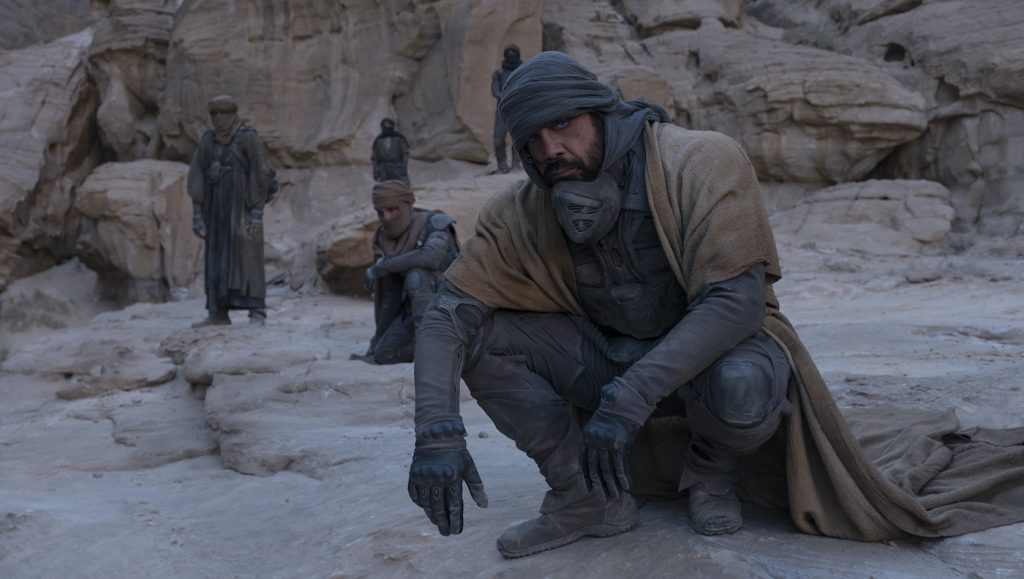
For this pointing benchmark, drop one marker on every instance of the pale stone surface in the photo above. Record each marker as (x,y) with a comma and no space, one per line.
(965,59)
(128,58)
(47,149)
(802,114)
(121,485)
(656,16)
(328,72)
(877,217)
(970,70)
(137,224)
(93,367)
(28,22)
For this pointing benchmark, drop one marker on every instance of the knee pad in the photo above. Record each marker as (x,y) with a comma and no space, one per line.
(741,393)
(416,281)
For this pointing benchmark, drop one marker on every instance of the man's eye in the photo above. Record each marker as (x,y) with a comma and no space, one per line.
(560,124)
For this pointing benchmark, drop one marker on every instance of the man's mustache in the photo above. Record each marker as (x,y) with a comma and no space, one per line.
(559,163)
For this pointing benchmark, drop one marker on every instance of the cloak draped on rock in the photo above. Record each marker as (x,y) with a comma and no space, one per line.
(888,473)
(226,182)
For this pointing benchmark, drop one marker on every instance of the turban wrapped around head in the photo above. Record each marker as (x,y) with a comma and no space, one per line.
(552,86)
(391,192)
(224,127)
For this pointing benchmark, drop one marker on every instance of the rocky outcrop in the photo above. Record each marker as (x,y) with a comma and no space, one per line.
(28,22)
(802,114)
(971,72)
(128,58)
(655,17)
(137,228)
(48,146)
(329,71)
(875,217)
(56,298)
(965,59)
(93,367)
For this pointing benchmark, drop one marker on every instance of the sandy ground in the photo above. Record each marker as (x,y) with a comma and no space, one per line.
(294,464)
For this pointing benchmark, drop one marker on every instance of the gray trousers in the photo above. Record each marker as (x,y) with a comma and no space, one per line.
(532,373)
(499,138)
(405,297)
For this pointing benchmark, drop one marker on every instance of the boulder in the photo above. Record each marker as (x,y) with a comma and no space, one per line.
(137,228)
(47,147)
(61,297)
(802,114)
(315,79)
(875,217)
(655,17)
(128,58)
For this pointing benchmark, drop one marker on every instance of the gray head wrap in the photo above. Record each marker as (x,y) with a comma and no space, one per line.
(552,86)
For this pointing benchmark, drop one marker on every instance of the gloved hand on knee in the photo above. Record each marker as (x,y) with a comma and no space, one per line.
(607,437)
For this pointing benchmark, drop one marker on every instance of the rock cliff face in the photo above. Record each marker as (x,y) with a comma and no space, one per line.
(819,93)
(48,146)
(317,76)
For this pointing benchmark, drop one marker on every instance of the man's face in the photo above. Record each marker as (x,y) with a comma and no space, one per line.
(388,213)
(222,115)
(568,149)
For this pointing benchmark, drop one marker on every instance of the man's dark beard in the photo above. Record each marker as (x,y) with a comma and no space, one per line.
(559,163)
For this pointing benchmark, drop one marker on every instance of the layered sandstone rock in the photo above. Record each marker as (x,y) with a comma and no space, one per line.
(28,22)
(316,79)
(655,17)
(48,147)
(971,71)
(137,228)
(802,114)
(128,58)
(876,217)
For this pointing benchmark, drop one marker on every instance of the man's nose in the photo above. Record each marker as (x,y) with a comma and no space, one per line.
(551,145)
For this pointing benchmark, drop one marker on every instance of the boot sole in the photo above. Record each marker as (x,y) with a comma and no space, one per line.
(599,531)
(712,532)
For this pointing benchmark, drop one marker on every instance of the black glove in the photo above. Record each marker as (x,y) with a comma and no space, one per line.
(199,225)
(604,460)
(375,272)
(435,482)
(255,220)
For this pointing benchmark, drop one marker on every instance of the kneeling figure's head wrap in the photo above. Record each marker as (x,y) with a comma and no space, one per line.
(394,193)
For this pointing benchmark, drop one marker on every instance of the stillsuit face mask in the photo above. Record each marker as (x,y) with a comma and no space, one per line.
(587,210)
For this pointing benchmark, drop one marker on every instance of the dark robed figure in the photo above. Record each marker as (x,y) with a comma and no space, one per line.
(390,155)
(614,316)
(510,61)
(230,181)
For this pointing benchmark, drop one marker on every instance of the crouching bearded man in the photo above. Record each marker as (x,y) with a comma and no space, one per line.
(628,279)
(590,290)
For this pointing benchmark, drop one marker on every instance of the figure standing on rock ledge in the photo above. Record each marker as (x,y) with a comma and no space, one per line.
(413,247)
(510,61)
(390,154)
(614,316)
(230,182)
